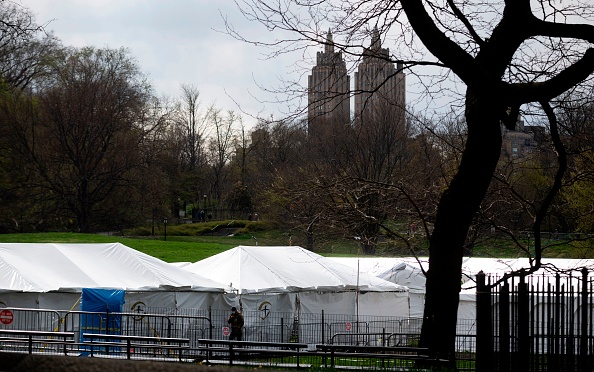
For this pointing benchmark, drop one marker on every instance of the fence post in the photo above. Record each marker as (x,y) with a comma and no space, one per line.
(484,336)
(584,322)
(504,329)
(553,321)
(523,351)
(210,322)
(323,338)
(65,341)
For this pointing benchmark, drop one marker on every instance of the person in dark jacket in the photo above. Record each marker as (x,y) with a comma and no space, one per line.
(236,322)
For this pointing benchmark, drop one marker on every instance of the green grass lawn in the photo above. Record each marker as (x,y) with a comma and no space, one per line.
(187,242)
(172,250)
(194,242)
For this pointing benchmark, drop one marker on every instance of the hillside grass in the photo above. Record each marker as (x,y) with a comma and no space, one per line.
(186,242)
(171,250)
(196,241)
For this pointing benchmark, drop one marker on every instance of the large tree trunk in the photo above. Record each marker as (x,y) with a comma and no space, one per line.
(456,209)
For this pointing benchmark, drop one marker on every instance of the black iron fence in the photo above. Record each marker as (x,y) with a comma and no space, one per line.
(535,323)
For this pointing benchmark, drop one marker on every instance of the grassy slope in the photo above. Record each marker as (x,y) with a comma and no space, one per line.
(169,251)
(185,242)
(194,242)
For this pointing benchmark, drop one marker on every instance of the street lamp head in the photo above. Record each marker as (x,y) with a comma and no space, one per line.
(165,220)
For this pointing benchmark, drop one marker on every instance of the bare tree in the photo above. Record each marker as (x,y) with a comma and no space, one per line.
(221,148)
(503,67)
(85,139)
(193,128)
(239,198)
(277,151)
(157,180)
(24,48)
(194,124)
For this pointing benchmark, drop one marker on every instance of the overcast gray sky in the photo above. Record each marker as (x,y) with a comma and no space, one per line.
(174,42)
(183,42)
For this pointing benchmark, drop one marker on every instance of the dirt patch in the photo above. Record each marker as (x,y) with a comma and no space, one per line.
(27,363)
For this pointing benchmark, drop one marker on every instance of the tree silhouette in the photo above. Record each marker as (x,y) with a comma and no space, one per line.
(504,67)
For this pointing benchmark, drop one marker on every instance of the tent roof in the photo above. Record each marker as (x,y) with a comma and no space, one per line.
(252,269)
(400,270)
(44,267)
(471,266)
(405,274)
(393,269)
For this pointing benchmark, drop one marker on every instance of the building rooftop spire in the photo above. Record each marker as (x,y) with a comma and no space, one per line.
(375,39)
(329,48)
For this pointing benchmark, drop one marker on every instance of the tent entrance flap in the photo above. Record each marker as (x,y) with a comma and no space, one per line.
(100,304)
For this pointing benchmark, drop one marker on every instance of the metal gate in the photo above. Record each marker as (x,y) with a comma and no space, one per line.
(535,323)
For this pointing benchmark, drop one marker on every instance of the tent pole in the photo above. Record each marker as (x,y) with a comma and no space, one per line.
(357,298)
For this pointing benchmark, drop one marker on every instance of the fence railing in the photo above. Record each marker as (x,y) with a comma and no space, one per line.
(133,345)
(234,352)
(30,341)
(200,324)
(535,323)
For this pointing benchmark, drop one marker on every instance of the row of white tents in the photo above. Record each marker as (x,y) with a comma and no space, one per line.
(409,272)
(287,279)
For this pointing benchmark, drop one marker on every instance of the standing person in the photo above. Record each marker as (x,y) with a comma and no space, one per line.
(236,322)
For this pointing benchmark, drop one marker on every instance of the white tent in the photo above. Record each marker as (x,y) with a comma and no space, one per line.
(408,275)
(471,266)
(51,276)
(407,271)
(291,278)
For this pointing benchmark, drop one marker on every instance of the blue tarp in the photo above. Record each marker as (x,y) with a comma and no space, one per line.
(104,302)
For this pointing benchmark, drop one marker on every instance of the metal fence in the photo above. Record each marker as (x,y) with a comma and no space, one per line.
(535,323)
(196,324)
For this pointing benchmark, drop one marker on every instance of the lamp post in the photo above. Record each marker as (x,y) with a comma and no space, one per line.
(204,216)
(165,228)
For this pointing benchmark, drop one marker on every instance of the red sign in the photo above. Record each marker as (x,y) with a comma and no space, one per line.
(226,331)
(348,326)
(6,317)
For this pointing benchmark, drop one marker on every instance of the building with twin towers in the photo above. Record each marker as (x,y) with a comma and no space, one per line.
(379,89)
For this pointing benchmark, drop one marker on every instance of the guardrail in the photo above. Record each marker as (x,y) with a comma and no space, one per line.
(378,352)
(240,350)
(194,325)
(16,338)
(130,343)
(373,338)
(280,355)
